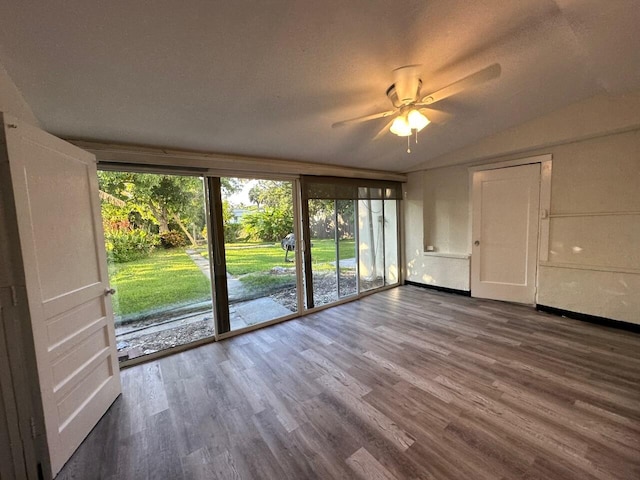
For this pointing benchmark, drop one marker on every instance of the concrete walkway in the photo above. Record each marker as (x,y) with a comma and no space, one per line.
(346,263)
(234,286)
(242,313)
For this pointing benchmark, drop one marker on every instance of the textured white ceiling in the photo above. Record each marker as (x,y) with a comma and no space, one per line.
(268,78)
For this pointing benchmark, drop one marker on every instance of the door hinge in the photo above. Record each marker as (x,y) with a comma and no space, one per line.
(33,428)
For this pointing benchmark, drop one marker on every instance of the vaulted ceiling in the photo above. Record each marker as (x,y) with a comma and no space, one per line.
(268,78)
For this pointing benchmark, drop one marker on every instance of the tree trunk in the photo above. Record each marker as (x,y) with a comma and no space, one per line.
(185,230)
(162,217)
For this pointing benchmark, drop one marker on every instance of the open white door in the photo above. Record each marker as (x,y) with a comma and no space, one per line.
(505,233)
(62,243)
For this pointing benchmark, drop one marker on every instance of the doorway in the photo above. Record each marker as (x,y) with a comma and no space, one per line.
(505,227)
(259,254)
(157,253)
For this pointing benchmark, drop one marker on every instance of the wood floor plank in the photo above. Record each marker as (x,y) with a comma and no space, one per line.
(353,385)
(365,466)
(369,414)
(406,383)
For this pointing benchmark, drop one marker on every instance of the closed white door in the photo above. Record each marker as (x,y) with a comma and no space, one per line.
(56,195)
(505,233)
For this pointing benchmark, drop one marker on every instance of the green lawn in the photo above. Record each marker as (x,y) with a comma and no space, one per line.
(242,260)
(167,277)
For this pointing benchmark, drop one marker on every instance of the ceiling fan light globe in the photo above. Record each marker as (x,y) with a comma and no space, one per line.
(400,127)
(416,120)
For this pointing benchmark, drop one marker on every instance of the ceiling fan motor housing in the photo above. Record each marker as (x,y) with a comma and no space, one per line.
(406,84)
(399,101)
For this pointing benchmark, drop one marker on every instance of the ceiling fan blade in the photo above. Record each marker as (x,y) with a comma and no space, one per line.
(364,118)
(406,81)
(384,130)
(436,116)
(470,81)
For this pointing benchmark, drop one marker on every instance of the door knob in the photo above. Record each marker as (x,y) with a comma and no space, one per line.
(476,243)
(110,291)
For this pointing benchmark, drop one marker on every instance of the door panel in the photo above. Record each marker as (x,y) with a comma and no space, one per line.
(57,206)
(391,270)
(370,243)
(260,272)
(505,233)
(346,246)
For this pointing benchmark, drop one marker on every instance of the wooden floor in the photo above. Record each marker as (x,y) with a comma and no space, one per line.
(407,383)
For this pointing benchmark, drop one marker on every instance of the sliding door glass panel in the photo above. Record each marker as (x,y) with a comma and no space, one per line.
(322,226)
(391,274)
(347,258)
(157,256)
(370,244)
(259,250)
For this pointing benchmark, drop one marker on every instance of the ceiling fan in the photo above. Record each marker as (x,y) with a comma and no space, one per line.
(410,104)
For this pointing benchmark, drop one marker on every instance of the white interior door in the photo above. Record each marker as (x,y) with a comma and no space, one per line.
(505,233)
(56,195)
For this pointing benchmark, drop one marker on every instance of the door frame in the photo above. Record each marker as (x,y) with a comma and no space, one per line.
(544,207)
(302,248)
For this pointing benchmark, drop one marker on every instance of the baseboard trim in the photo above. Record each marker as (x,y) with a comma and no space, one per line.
(607,322)
(464,293)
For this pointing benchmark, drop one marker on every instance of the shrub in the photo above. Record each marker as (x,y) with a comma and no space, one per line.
(173,239)
(126,245)
(270,225)
(231,232)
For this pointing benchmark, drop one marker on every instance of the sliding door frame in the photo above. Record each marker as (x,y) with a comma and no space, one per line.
(306,245)
(299,244)
(218,265)
(295,195)
(304,278)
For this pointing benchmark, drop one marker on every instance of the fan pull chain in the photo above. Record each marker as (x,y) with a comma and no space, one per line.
(408,143)
(416,137)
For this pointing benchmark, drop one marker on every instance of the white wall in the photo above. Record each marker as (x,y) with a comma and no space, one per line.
(594,117)
(11,100)
(446,209)
(437,215)
(594,244)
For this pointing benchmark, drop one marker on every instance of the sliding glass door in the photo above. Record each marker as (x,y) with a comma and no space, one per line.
(378,245)
(346,254)
(332,230)
(168,236)
(157,253)
(370,244)
(391,253)
(352,231)
(259,246)
(324,251)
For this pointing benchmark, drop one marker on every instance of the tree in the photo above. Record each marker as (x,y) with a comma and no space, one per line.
(270,224)
(272,193)
(231,185)
(274,218)
(162,199)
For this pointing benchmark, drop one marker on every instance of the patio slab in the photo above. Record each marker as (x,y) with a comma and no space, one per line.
(245,314)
